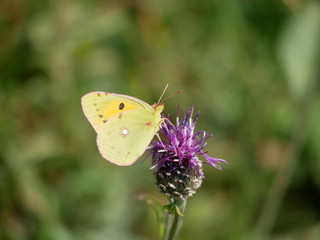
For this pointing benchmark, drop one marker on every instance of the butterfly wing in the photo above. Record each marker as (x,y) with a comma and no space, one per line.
(124,138)
(99,107)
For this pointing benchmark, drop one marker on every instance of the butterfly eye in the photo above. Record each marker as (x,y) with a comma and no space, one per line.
(121,106)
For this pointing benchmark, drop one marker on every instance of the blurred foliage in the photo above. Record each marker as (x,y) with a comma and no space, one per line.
(251,67)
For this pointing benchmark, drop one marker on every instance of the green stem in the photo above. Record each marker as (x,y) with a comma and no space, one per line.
(167,226)
(174,227)
(173,220)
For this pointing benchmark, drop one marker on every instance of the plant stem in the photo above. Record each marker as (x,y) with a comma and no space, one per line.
(173,221)
(165,233)
(174,227)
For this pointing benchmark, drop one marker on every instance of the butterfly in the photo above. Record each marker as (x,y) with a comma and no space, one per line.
(124,125)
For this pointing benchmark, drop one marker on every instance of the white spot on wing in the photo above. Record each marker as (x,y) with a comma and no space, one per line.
(124,131)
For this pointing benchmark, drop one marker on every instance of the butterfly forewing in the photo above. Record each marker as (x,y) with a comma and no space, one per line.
(99,107)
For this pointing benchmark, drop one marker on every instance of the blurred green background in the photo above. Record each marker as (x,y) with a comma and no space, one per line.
(251,67)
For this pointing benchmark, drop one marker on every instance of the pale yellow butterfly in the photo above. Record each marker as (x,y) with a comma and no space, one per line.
(125,125)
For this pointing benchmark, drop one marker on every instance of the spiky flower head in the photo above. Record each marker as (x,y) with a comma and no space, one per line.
(178,168)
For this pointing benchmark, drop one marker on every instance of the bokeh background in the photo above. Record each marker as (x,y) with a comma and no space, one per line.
(251,67)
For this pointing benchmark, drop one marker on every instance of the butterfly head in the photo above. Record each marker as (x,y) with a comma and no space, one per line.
(158,107)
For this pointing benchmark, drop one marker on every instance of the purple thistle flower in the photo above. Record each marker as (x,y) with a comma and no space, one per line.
(178,168)
(183,145)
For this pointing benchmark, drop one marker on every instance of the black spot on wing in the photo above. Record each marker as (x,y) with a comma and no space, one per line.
(121,106)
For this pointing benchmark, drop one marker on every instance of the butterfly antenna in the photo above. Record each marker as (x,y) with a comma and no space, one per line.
(164,90)
(173,94)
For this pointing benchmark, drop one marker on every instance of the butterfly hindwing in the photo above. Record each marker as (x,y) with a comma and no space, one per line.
(124,138)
